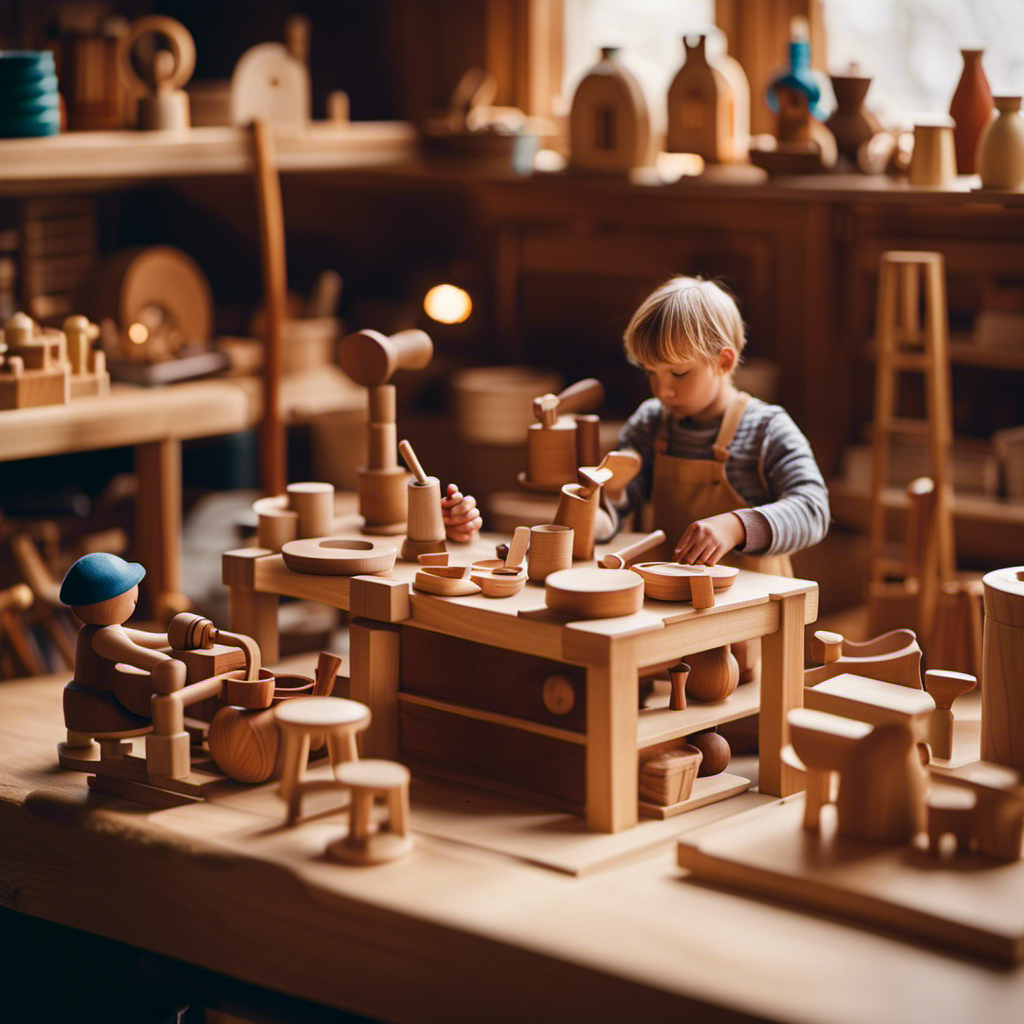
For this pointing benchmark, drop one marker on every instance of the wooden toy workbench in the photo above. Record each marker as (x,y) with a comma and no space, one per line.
(454,684)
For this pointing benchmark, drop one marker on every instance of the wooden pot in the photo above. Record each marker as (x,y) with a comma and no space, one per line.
(714,675)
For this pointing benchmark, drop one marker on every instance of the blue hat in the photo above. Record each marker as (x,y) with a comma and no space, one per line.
(99,577)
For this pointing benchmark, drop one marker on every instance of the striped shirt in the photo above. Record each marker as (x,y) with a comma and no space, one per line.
(790,498)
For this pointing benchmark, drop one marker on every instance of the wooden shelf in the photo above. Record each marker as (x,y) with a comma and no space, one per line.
(986,528)
(116,157)
(706,791)
(657,723)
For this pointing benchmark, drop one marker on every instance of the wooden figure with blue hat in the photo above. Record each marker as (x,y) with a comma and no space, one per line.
(128,683)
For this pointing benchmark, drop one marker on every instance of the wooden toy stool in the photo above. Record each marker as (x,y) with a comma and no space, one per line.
(299,721)
(365,844)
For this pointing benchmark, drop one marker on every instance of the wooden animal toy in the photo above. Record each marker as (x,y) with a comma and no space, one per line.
(944,688)
(714,674)
(992,823)
(609,123)
(162,102)
(551,548)
(34,369)
(371,359)
(337,718)
(425,531)
(708,107)
(893,657)
(882,784)
(88,365)
(1002,683)
(367,843)
(127,684)
(270,84)
(620,559)
(551,449)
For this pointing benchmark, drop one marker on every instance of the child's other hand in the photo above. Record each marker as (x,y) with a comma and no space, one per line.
(462,519)
(706,541)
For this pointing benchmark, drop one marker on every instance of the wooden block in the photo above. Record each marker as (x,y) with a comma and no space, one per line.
(380,598)
(238,567)
(314,503)
(870,700)
(29,388)
(702,592)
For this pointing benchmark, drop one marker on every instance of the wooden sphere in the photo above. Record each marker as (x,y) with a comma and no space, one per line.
(715,749)
(714,674)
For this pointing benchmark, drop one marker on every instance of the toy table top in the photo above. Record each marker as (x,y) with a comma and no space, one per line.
(452,931)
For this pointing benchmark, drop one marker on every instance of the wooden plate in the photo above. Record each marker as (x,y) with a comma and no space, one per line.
(339,556)
(594,593)
(670,581)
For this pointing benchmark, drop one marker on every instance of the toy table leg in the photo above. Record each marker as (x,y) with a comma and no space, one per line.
(373,681)
(255,615)
(158,520)
(611,758)
(782,688)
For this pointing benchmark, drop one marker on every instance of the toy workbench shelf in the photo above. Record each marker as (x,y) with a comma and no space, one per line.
(657,723)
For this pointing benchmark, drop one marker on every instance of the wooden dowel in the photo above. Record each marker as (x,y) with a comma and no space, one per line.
(412,462)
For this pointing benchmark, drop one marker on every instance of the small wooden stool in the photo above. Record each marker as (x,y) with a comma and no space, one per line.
(364,844)
(301,719)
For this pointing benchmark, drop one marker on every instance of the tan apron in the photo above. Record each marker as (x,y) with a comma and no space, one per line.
(684,490)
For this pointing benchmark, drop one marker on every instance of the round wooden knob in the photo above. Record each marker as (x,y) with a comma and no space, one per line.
(826,647)
(559,695)
(370,358)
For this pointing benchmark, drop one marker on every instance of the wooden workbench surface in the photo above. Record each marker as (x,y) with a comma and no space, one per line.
(452,932)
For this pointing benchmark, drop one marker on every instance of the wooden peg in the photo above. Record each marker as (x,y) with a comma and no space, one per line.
(412,462)
(678,674)
(621,558)
(327,665)
(945,687)
(588,439)
(826,647)
(516,552)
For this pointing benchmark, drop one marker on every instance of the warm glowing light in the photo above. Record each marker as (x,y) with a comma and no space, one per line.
(673,166)
(447,304)
(139,333)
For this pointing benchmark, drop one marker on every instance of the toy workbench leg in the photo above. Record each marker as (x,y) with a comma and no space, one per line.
(251,612)
(158,520)
(373,681)
(611,740)
(782,688)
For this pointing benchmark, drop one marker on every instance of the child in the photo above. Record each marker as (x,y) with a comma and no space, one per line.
(723,471)
(462,520)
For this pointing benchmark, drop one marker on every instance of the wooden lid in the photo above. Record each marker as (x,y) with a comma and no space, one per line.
(1004,595)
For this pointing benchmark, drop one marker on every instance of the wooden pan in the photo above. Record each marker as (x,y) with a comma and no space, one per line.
(594,593)
(339,556)
(670,581)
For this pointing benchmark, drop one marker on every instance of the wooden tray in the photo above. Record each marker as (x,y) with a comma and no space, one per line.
(339,556)
(670,581)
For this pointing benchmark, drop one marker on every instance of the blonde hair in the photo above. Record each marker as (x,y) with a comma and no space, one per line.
(685,318)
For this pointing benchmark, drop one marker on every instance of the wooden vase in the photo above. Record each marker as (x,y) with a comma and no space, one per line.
(714,675)
(1001,149)
(971,108)
(852,124)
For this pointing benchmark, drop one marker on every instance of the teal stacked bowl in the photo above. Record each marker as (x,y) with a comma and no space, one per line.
(29,104)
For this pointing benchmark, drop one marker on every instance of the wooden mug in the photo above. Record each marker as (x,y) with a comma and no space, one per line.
(550,550)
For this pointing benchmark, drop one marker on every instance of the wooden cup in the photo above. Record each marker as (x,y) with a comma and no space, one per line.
(550,550)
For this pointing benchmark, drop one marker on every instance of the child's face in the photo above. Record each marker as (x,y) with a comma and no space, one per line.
(692,387)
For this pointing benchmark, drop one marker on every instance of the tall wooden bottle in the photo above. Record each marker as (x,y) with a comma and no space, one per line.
(971,108)
(609,123)
(1002,682)
(1001,149)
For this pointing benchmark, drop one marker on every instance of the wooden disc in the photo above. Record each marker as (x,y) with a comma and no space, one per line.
(594,593)
(339,556)
(670,581)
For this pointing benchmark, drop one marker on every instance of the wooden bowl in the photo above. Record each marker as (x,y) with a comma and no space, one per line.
(488,564)
(498,586)
(248,693)
(670,581)
(443,586)
(594,593)
(339,556)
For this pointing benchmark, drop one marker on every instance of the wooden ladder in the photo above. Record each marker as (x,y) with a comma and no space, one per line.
(906,343)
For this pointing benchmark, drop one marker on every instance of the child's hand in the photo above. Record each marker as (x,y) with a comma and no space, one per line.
(461,517)
(706,541)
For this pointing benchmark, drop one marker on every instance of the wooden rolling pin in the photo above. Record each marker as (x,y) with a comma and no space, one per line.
(621,558)
(582,396)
